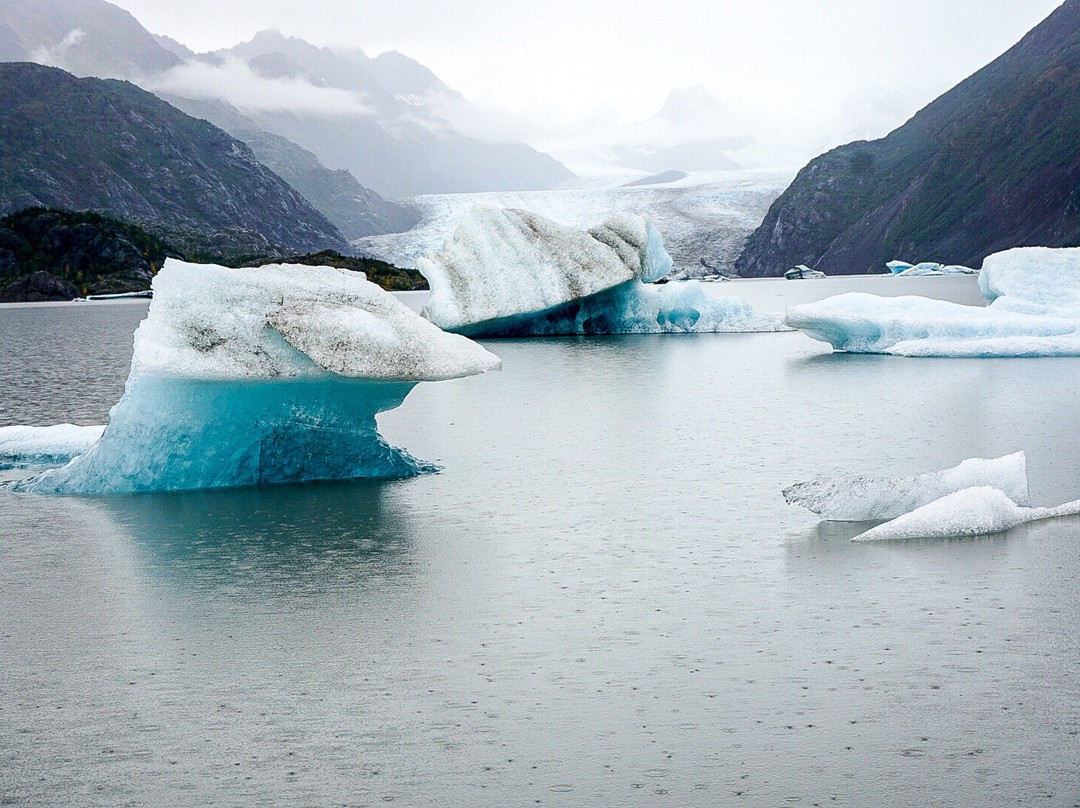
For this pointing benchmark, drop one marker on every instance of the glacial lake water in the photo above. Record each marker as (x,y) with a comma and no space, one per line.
(602,599)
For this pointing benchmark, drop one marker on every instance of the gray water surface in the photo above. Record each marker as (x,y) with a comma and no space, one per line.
(602,600)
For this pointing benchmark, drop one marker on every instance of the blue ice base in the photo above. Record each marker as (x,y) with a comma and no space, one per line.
(170,434)
(632,308)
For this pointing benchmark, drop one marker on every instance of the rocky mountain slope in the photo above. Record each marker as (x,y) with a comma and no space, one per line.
(84,37)
(355,210)
(107,146)
(992,164)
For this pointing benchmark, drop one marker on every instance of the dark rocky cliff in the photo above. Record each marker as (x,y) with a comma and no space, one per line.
(107,146)
(992,164)
(59,255)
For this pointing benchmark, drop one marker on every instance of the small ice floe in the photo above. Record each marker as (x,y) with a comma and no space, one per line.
(802,271)
(44,446)
(969,512)
(143,294)
(852,498)
(928,268)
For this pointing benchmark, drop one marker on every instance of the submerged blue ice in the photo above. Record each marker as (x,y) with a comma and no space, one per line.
(260,376)
(173,434)
(635,308)
(1034,310)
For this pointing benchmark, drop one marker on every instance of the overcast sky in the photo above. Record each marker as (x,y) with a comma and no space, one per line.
(803,74)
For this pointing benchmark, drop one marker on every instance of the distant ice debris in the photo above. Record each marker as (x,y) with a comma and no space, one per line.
(268,375)
(928,268)
(508,272)
(851,498)
(1034,311)
(801,272)
(968,512)
(34,446)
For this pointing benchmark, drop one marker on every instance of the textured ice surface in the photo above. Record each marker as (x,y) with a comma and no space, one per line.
(968,512)
(1033,280)
(246,377)
(850,498)
(283,321)
(27,446)
(513,273)
(506,262)
(1034,311)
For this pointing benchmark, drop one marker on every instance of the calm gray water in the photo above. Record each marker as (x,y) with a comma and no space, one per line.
(601,601)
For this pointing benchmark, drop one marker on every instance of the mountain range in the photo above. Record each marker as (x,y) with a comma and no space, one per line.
(391,123)
(994,163)
(108,146)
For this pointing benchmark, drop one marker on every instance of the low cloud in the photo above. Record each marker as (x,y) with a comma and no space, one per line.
(232,80)
(55,56)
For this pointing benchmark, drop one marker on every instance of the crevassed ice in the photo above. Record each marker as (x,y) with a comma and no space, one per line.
(969,512)
(275,374)
(1034,310)
(850,498)
(507,272)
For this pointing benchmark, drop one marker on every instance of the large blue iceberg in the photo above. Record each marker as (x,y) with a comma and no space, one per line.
(510,273)
(256,376)
(1034,310)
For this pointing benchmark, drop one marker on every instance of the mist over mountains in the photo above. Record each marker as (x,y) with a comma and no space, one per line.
(387,120)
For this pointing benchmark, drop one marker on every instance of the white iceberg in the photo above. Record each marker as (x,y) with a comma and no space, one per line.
(507,272)
(968,512)
(30,446)
(801,272)
(251,376)
(850,498)
(1034,310)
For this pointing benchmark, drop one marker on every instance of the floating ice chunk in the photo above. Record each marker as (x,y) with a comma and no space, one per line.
(513,273)
(849,498)
(268,375)
(1035,311)
(959,269)
(506,262)
(919,326)
(896,267)
(968,512)
(801,272)
(30,446)
(925,268)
